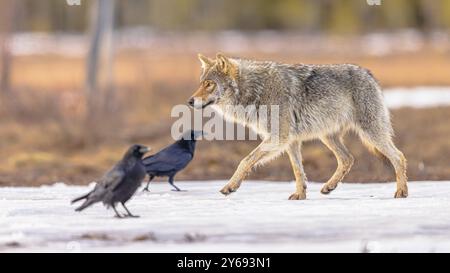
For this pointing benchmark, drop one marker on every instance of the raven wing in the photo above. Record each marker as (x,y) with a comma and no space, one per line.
(167,160)
(112,179)
(109,181)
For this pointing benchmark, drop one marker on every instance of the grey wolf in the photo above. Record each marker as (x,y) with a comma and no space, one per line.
(315,102)
(120,183)
(172,159)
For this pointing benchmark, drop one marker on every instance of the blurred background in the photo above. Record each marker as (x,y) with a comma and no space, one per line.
(79,83)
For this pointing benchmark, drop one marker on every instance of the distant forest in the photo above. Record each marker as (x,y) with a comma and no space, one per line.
(331,16)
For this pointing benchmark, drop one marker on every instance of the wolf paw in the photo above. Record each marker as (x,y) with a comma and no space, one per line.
(298,196)
(229,188)
(401,193)
(326,189)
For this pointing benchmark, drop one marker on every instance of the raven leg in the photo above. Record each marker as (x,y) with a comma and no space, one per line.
(115,210)
(173,185)
(148,183)
(129,213)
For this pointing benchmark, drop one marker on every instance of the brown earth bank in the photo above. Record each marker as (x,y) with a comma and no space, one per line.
(422,134)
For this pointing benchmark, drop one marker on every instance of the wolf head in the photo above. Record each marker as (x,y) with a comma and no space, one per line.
(218,80)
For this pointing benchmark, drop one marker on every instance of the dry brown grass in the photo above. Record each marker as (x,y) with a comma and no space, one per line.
(44,137)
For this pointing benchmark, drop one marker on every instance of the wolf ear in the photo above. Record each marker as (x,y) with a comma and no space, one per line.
(226,65)
(223,63)
(206,62)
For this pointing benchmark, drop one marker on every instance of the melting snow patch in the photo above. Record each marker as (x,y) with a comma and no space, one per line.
(417,97)
(354,218)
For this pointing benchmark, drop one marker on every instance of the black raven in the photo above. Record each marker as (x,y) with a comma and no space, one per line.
(172,159)
(120,183)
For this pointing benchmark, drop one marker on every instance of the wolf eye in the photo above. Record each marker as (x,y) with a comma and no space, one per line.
(208,84)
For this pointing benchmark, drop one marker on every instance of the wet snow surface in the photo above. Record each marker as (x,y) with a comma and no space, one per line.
(355,218)
(417,97)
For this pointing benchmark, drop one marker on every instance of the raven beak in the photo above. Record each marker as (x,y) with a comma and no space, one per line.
(144,150)
(199,133)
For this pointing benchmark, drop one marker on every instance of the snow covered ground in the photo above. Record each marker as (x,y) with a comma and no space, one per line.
(354,218)
(417,97)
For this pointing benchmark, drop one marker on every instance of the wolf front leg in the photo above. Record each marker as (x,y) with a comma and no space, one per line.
(264,152)
(294,152)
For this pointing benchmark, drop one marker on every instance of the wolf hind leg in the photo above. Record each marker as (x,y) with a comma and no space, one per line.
(294,153)
(344,159)
(382,145)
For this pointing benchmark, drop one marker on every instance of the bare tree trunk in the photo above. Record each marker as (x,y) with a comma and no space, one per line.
(429,13)
(99,67)
(5,77)
(102,24)
(93,54)
(322,11)
(7,15)
(110,95)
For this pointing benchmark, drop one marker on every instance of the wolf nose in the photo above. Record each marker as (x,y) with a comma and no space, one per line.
(191,101)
